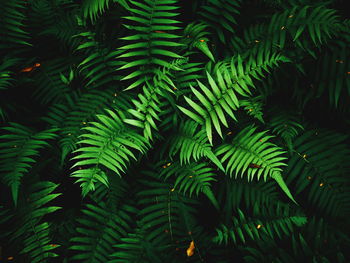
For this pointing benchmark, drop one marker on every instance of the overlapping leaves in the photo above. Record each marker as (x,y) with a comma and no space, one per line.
(18,149)
(108,144)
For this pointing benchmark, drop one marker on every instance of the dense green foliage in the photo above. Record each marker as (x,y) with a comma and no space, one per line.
(132,130)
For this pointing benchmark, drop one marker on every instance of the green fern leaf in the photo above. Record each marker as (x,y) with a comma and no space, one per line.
(281,223)
(34,234)
(251,154)
(17,151)
(192,178)
(154,36)
(108,144)
(99,229)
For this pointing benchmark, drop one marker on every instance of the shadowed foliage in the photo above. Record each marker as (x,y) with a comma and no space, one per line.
(174,131)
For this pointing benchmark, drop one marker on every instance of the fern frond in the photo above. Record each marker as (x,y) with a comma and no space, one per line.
(64,30)
(113,194)
(248,147)
(286,125)
(13,32)
(250,154)
(78,110)
(281,222)
(331,72)
(98,67)
(187,76)
(165,213)
(240,72)
(215,101)
(42,13)
(220,15)
(253,106)
(333,231)
(34,234)
(92,8)
(191,178)
(7,79)
(189,142)
(136,248)
(155,40)
(6,74)
(85,110)
(156,93)
(5,216)
(99,229)
(50,87)
(235,193)
(147,110)
(18,147)
(296,26)
(108,144)
(195,36)
(255,67)
(320,158)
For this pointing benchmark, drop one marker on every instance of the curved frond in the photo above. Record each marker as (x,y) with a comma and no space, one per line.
(136,248)
(98,66)
(320,158)
(99,229)
(50,87)
(165,213)
(238,193)
(250,154)
(34,234)
(18,147)
(215,101)
(220,15)
(195,36)
(14,35)
(146,111)
(281,222)
(253,106)
(286,125)
(191,178)
(295,25)
(85,110)
(188,142)
(108,144)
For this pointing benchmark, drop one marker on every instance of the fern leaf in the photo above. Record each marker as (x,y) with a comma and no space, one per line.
(154,46)
(195,35)
(215,101)
(14,34)
(146,111)
(30,230)
(253,106)
(220,15)
(108,144)
(136,248)
(249,147)
(192,178)
(189,142)
(84,110)
(317,164)
(17,150)
(99,229)
(165,214)
(243,228)
(92,8)
(286,125)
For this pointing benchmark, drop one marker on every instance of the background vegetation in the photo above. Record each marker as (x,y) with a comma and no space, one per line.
(174,131)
